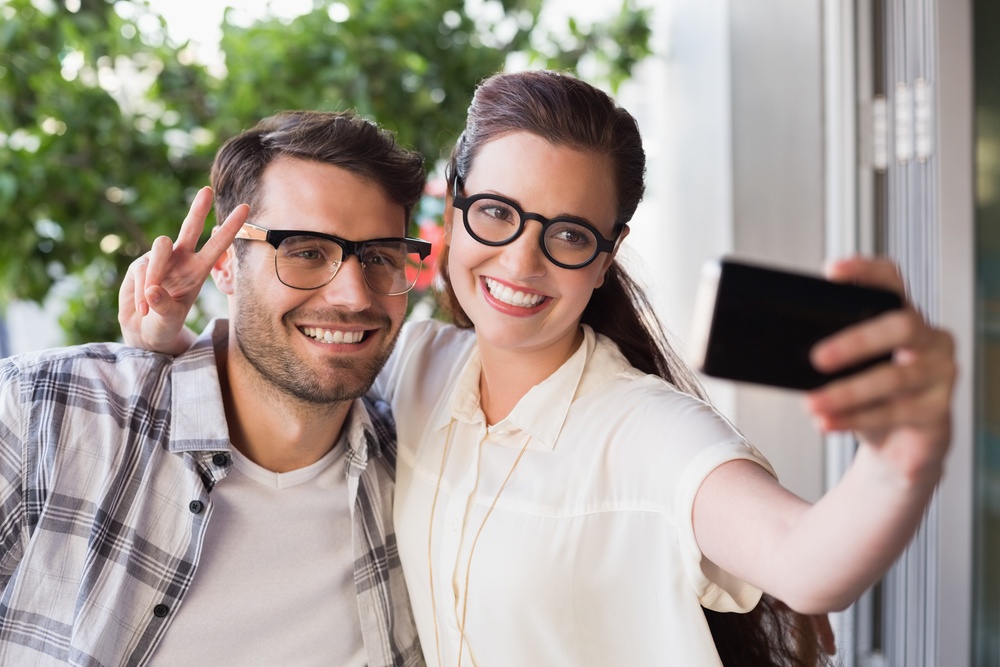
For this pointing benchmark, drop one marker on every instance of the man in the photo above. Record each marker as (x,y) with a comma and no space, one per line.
(231,505)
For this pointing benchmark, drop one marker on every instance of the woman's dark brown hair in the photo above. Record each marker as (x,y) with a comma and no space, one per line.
(568,112)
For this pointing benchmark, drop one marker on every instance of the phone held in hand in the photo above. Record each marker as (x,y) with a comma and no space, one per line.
(757,324)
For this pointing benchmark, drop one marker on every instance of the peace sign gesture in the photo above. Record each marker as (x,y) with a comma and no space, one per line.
(160,287)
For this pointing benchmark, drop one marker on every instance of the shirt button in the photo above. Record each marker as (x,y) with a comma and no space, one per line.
(196,506)
(161,610)
(220,460)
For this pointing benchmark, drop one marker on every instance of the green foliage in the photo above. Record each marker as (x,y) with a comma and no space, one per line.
(94,167)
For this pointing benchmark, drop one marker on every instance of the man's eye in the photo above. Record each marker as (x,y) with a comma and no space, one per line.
(308,250)
(385,258)
(309,255)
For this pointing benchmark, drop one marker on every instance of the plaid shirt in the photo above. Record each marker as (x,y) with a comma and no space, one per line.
(108,456)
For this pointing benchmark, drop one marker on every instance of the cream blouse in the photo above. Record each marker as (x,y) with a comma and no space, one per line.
(587,556)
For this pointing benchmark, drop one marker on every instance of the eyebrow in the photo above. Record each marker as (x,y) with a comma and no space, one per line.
(559,216)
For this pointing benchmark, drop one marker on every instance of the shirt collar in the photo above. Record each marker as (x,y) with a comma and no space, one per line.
(198,416)
(363,441)
(541,412)
(198,421)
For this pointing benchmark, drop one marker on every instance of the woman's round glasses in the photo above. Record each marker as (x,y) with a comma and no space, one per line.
(569,243)
(309,260)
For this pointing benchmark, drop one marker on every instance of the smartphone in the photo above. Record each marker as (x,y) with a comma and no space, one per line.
(757,324)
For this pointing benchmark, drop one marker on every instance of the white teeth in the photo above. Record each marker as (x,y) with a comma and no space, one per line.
(511,297)
(328,336)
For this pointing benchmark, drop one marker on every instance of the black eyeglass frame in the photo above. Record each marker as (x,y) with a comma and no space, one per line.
(274,237)
(603,244)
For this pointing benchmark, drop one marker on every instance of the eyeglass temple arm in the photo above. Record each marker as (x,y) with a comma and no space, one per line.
(423,247)
(252,232)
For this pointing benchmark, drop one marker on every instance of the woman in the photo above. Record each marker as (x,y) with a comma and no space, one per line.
(564,495)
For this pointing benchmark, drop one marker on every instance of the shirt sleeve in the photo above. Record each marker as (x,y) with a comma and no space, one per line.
(12,445)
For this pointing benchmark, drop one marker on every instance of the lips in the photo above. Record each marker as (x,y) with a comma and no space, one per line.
(333,336)
(511,297)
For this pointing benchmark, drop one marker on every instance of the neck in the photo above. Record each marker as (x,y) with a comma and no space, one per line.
(274,430)
(507,375)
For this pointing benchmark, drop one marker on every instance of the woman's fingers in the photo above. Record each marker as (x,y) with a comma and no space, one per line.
(194,223)
(159,255)
(911,392)
(873,338)
(223,236)
(918,408)
(873,272)
(136,282)
(913,389)
(130,291)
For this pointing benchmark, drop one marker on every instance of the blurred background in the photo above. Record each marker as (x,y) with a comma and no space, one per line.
(785,131)
(111,112)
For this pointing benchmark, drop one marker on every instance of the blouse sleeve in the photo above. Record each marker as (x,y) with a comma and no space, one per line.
(719,590)
(686,440)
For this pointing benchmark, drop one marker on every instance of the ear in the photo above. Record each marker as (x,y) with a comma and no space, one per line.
(610,257)
(224,271)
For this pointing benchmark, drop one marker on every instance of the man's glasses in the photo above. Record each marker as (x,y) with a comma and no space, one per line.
(309,260)
(568,242)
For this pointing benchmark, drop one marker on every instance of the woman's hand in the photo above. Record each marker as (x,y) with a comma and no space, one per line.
(820,557)
(160,287)
(902,409)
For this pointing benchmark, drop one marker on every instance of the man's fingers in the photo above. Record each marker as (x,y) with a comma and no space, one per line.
(194,223)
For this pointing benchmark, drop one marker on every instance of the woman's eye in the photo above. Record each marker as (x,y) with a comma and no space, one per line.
(497,211)
(571,235)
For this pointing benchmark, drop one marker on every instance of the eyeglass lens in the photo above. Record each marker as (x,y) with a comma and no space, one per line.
(308,262)
(495,221)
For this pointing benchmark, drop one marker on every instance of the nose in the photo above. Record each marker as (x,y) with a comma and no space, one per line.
(348,288)
(523,256)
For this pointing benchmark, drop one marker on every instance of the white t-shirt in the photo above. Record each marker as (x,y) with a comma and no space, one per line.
(275,581)
(589,556)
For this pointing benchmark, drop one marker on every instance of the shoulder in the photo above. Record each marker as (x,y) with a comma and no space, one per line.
(95,387)
(434,335)
(93,360)
(646,404)
(430,346)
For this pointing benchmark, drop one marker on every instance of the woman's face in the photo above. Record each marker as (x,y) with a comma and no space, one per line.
(517,299)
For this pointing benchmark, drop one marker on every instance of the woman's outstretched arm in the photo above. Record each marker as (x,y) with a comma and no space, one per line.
(820,558)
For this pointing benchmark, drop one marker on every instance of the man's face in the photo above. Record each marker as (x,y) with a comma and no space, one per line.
(322,345)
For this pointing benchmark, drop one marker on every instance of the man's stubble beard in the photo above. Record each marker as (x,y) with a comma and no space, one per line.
(277,366)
